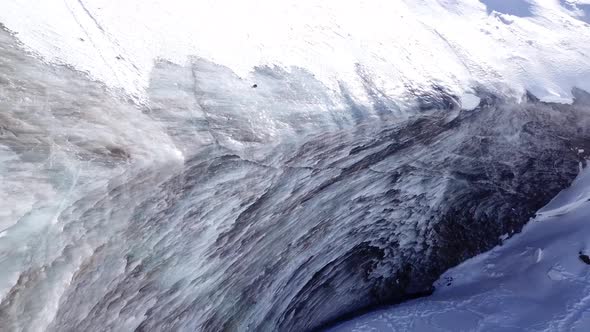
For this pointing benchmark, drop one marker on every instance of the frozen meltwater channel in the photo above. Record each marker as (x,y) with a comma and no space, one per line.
(214,205)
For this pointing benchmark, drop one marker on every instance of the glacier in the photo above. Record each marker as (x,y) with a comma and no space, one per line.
(402,44)
(535,281)
(279,166)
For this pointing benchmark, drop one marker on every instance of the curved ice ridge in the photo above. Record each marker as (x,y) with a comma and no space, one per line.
(219,206)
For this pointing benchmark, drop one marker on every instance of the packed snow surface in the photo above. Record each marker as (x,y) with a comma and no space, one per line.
(539,45)
(535,281)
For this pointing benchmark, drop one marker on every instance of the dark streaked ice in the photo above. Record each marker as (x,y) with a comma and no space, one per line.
(214,206)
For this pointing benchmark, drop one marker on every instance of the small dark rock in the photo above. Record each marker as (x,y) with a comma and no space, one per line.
(118,57)
(584,258)
(81,39)
(118,152)
(254,86)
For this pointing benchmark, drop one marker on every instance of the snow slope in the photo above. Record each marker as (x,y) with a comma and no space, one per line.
(535,281)
(539,45)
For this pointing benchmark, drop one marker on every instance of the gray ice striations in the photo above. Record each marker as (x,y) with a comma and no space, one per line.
(215,206)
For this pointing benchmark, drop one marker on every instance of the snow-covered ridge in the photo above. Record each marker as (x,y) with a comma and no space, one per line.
(538,45)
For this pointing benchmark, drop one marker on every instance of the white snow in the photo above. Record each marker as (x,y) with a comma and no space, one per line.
(539,45)
(469,101)
(535,281)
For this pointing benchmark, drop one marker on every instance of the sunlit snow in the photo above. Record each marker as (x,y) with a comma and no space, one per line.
(539,45)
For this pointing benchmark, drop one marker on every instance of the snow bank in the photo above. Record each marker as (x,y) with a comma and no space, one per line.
(539,45)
